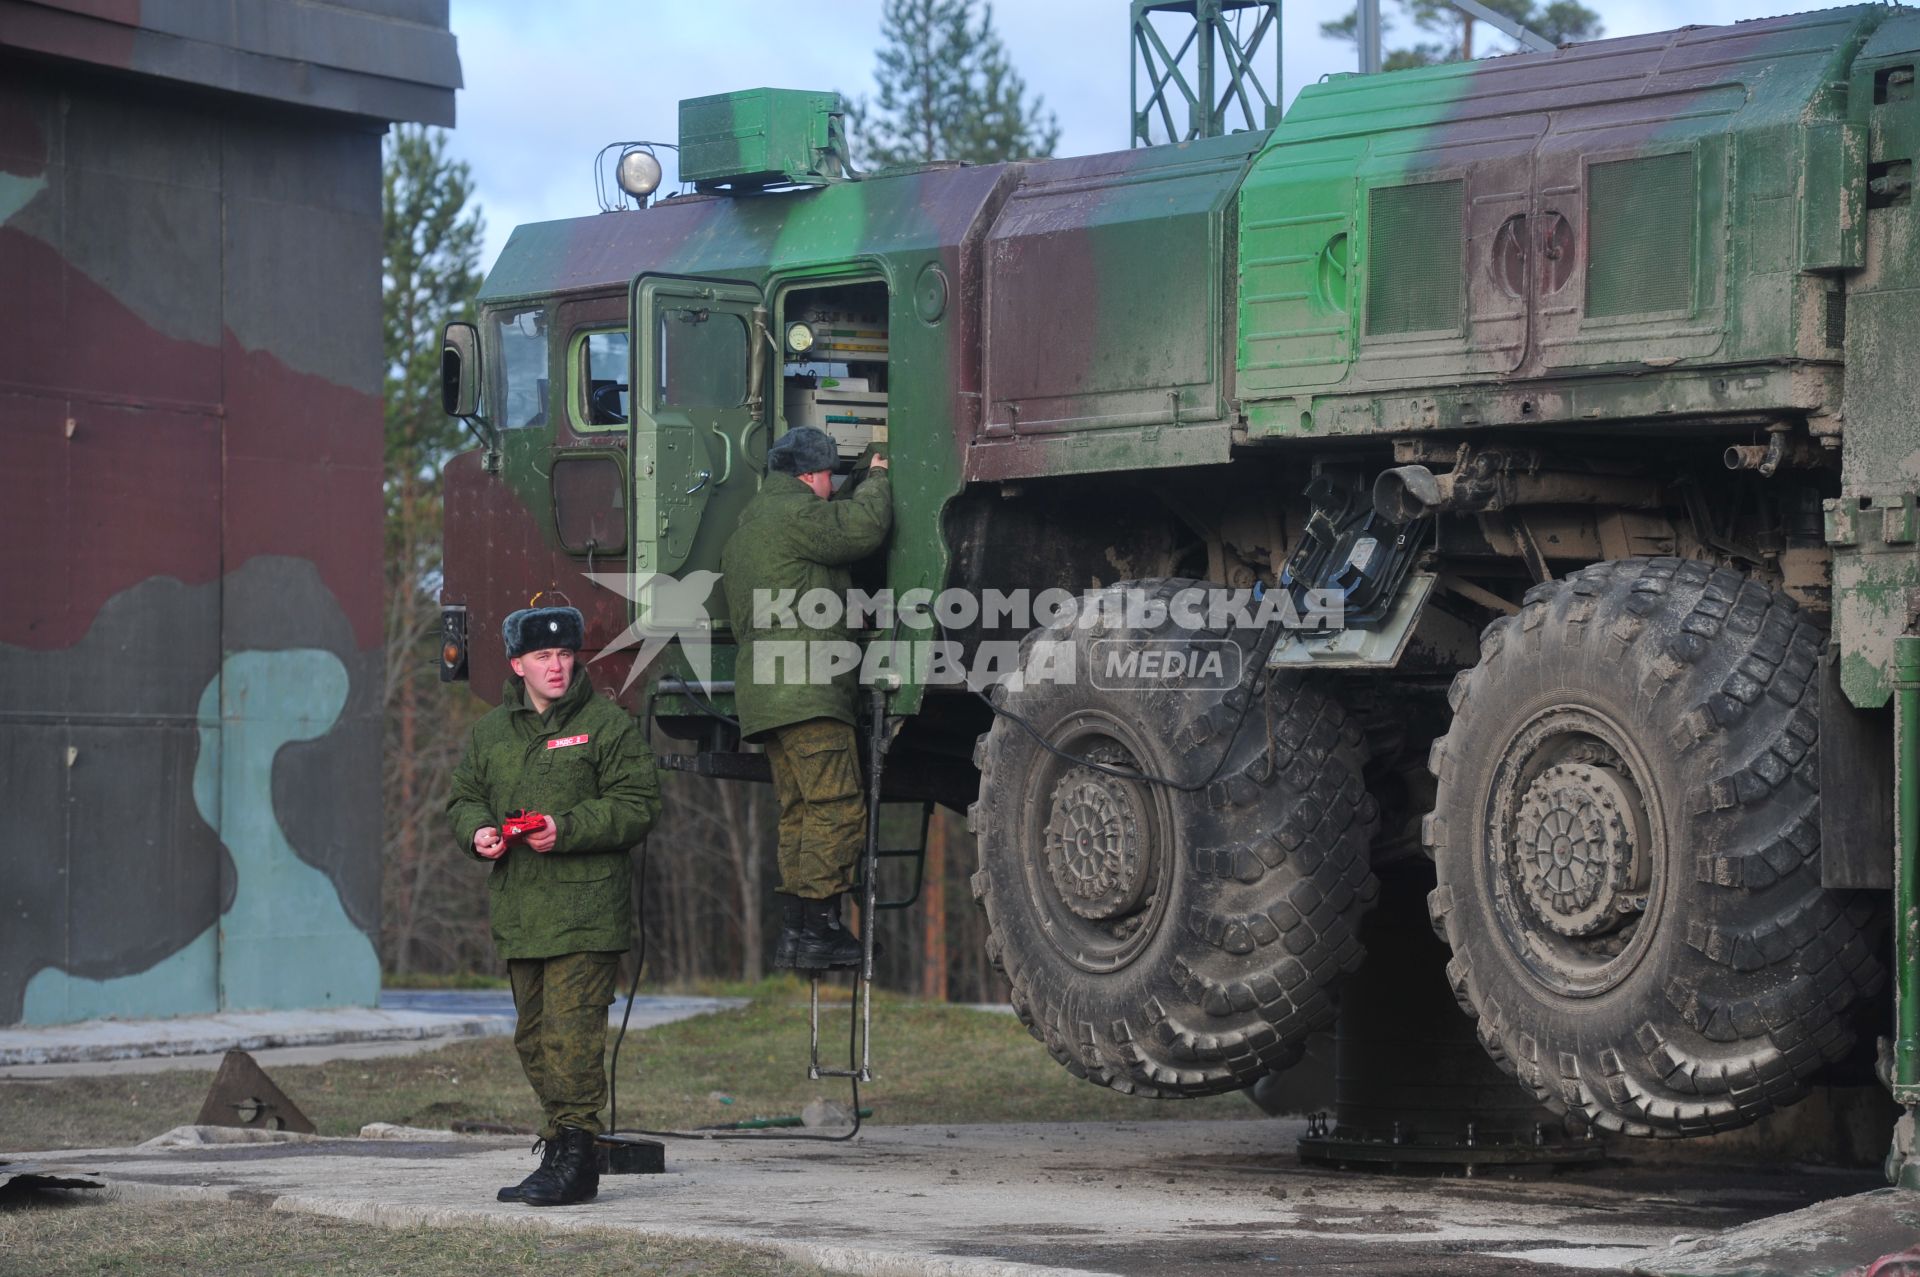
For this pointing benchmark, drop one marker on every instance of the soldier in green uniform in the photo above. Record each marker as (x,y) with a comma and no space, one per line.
(560,895)
(791,537)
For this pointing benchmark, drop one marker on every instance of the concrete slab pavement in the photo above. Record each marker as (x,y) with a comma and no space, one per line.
(94,1041)
(1170,1199)
(649,1010)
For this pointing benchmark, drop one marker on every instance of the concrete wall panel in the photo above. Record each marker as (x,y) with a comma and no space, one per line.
(191,662)
(33,523)
(145,871)
(273,247)
(317,786)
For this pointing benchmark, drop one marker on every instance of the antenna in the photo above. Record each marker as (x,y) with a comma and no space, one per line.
(1211,72)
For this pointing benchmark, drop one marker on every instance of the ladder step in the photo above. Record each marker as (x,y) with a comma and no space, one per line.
(860,1027)
(917,855)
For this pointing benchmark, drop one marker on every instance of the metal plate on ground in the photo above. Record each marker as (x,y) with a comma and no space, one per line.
(243,1095)
(18,1177)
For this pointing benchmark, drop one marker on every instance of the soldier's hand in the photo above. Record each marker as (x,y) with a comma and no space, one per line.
(879,461)
(488,842)
(543,838)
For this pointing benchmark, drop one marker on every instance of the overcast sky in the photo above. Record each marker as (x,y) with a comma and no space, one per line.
(548,84)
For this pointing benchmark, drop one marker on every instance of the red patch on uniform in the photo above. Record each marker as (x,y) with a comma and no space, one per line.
(564,741)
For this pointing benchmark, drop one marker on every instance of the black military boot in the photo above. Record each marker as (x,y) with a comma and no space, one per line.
(576,1172)
(790,927)
(548,1150)
(823,943)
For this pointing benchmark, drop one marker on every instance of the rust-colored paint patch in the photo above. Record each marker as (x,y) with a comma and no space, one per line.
(159,457)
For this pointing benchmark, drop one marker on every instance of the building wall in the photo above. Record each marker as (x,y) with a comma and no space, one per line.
(190,549)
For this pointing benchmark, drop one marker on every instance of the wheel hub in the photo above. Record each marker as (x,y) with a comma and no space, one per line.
(1095,844)
(1577,848)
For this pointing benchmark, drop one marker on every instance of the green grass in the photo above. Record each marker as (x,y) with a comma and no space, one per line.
(66,1235)
(934,1063)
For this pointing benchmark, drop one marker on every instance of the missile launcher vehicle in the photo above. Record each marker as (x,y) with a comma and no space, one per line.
(1584,382)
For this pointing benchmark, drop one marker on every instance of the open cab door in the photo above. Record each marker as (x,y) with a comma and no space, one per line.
(699,368)
(696,364)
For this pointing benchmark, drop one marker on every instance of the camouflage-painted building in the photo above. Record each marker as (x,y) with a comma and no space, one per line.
(191,532)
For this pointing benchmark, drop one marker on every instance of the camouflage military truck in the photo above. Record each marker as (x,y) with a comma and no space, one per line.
(1584,380)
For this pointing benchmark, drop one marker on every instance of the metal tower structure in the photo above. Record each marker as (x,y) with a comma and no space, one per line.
(1217,72)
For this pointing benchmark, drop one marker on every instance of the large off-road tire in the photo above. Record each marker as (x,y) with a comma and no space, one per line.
(1160,942)
(1626,837)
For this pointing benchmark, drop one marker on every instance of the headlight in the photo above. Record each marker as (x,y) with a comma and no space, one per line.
(638,173)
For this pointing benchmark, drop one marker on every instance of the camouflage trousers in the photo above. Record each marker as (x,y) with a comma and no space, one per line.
(823,814)
(562,1035)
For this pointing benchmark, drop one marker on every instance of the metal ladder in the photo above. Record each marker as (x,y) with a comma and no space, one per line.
(860,1042)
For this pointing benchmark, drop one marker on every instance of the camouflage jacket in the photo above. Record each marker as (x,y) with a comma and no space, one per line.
(788,539)
(586,764)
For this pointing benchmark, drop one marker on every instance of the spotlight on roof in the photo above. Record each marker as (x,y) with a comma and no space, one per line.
(638,173)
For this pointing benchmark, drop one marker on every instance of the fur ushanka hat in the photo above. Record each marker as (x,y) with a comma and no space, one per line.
(534,629)
(803,450)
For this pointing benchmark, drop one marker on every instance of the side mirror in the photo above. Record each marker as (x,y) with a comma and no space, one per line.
(460,370)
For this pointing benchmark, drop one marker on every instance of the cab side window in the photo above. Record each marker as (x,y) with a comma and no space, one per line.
(606,378)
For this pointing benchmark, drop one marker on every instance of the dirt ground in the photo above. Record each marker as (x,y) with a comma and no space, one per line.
(90,1235)
(1171,1198)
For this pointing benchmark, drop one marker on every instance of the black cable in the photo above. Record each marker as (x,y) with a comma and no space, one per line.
(708,708)
(633,988)
(853,1022)
(1260,651)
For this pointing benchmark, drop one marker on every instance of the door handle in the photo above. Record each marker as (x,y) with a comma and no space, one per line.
(704,476)
(745,435)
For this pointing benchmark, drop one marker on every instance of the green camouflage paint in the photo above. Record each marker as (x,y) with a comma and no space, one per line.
(1663,228)
(761,137)
(1630,206)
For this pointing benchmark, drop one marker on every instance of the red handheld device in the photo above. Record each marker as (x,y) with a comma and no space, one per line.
(518,824)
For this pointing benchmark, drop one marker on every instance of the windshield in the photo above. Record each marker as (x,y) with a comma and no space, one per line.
(521,337)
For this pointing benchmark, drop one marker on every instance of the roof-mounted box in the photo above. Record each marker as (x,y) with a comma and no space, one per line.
(763,137)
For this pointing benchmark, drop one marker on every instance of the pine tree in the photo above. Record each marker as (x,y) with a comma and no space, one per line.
(430,276)
(948,91)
